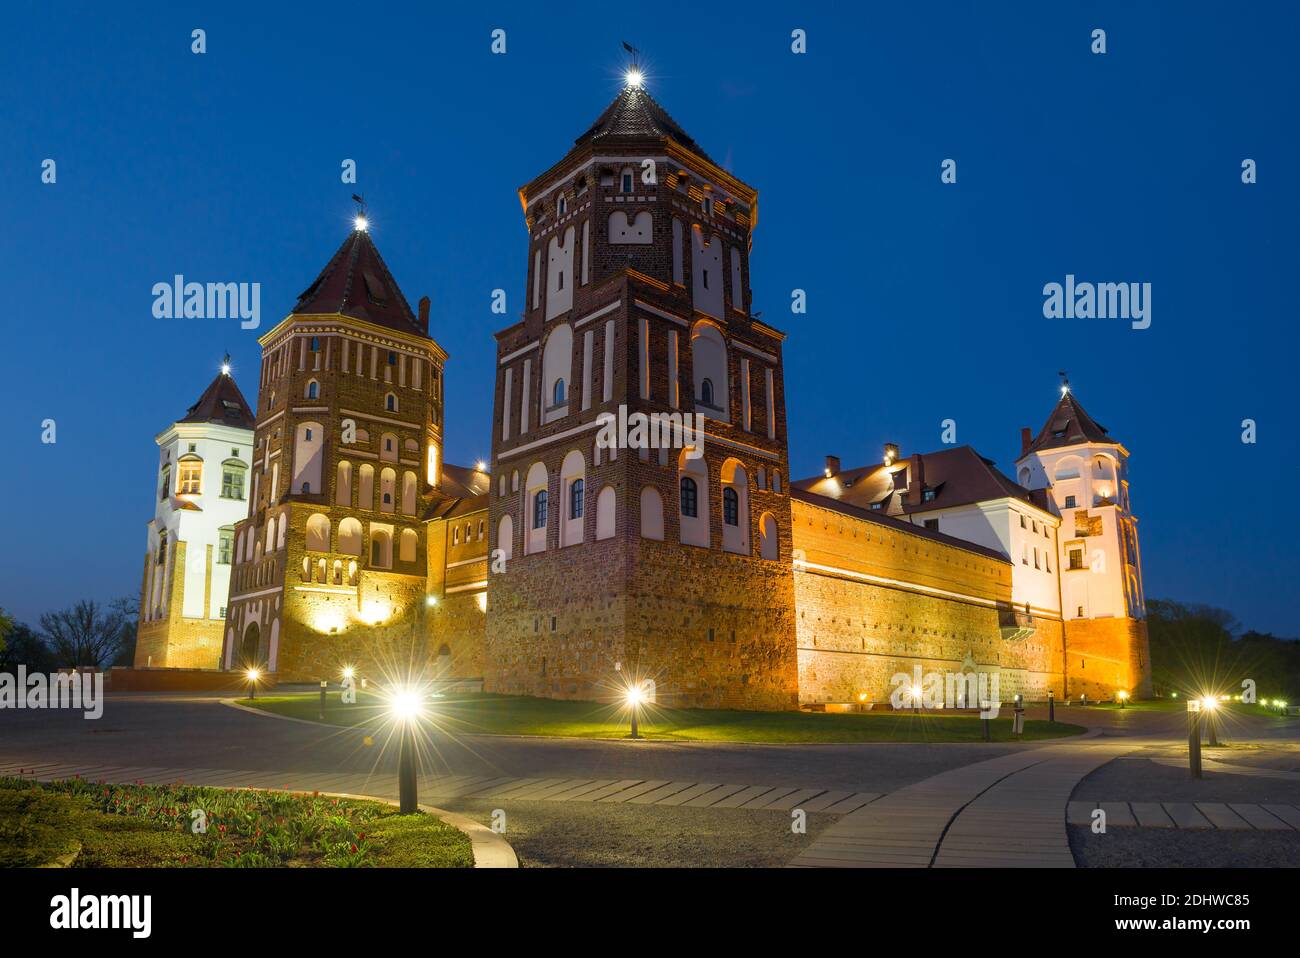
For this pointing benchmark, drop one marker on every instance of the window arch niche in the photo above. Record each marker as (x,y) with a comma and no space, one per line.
(381,547)
(537,508)
(350,537)
(693,498)
(233,474)
(652,514)
(506,536)
(312,391)
(635,231)
(366,487)
(390,402)
(709,364)
(605,513)
(308,455)
(735,498)
(318,533)
(408,544)
(387,490)
(343,484)
(408,492)
(388,447)
(769,543)
(557,372)
(572,480)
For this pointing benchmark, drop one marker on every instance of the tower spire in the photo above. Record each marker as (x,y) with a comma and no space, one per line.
(1065,382)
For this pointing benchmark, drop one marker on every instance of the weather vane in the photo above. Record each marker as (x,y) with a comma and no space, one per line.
(361,220)
(1065,381)
(634,76)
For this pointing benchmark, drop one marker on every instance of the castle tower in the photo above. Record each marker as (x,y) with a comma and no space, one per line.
(202,492)
(1103,603)
(330,563)
(662,563)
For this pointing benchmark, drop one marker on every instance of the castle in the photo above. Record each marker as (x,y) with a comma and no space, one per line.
(703,566)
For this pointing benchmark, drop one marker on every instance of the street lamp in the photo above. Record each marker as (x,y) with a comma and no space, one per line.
(1209,705)
(634,699)
(1194,737)
(405,707)
(1122,695)
(917,691)
(252,675)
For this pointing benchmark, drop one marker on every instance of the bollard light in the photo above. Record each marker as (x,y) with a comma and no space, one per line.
(1194,737)
(405,706)
(634,700)
(1122,695)
(323,687)
(917,691)
(1209,706)
(252,675)
(1051,706)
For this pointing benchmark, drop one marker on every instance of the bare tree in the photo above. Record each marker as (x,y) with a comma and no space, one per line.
(87,634)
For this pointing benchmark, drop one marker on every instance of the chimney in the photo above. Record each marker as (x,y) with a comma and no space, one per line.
(1026,438)
(891,453)
(424,313)
(915,480)
(832,465)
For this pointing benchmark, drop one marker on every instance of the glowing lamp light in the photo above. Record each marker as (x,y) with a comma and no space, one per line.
(349,672)
(253,674)
(1210,703)
(361,223)
(431,600)
(480,466)
(862,696)
(404,704)
(225,369)
(916,699)
(1122,695)
(635,697)
(634,78)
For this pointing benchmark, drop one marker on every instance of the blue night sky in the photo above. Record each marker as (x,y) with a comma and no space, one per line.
(924,299)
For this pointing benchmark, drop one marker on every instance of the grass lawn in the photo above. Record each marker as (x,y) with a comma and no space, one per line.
(132,826)
(519,715)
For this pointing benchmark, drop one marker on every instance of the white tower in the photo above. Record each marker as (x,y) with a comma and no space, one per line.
(200,493)
(1102,599)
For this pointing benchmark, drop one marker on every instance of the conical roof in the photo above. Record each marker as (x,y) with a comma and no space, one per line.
(636,115)
(1068,425)
(223,403)
(356,282)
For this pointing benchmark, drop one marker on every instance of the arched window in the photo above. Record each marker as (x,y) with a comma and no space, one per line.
(390,402)
(690,497)
(575,499)
(388,447)
(408,493)
(343,484)
(350,537)
(652,514)
(557,396)
(381,548)
(313,390)
(506,536)
(730,507)
(387,490)
(366,487)
(769,545)
(605,513)
(162,548)
(626,180)
(318,533)
(407,547)
(539,509)
(706,391)
(709,369)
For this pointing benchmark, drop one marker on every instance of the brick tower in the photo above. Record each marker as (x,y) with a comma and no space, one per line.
(655,563)
(330,565)
(1086,474)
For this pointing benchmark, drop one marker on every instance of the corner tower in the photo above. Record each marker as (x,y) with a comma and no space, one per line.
(671,564)
(330,563)
(1085,472)
(202,492)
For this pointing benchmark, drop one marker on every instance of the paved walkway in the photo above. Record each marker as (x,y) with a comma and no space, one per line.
(1007,811)
(497,788)
(1230,768)
(1230,816)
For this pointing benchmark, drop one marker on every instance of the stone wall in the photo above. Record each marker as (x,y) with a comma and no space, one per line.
(177,641)
(1104,656)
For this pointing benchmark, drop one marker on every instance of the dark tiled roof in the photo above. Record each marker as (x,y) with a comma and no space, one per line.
(1068,425)
(957,477)
(635,114)
(838,505)
(221,402)
(463,491)
(356,282)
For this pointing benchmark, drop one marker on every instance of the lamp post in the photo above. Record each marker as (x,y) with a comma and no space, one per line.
(1122,695)
(634,697)
(252,675)
(1051,706)
(1194,737)
(323,686)
(406,710)
(917,691)
(1210,705)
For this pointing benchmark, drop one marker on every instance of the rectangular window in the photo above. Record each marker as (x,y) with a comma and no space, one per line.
(1069,502)
(232,483)
(539,510)
(1076,558)
(190,475)
(932,525)
(225,546)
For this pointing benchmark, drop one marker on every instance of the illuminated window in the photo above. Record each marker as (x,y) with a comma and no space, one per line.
(232,480)
(539,510)
(730,507)
(191,473)
(225,544)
